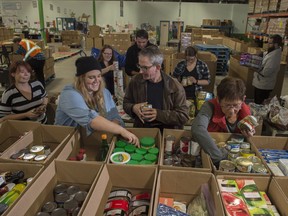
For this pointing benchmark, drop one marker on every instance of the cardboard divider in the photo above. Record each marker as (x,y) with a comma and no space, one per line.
(268,185)
(91,144)
(54,136)
(223,137)
(133,178)
(184,186)
(83,175)
(281,182)
(178,134)
(143,132)
(13,130)
(30,170)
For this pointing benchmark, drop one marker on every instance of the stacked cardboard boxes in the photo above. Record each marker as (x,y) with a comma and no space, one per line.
(71,38)
(251,6)
(93,38)
(6,33)
(119,41)
(265,6)
(196,35)
(283,5)
(49,68)
(168,53)
(258,6)
(274,5)
(278,26)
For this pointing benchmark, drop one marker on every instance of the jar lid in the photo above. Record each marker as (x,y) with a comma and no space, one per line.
(146,162)
(150,157)
(133,162)
(120,144)
(141,151)
(147,141)
(136,157)
(130,148)
(154,151)
(118,150)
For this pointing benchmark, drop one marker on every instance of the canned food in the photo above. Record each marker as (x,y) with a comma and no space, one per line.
(233,156)
(61,198)
(121,193)
(168,161)
(25,151)
(145,107)
(59,212)
(47,150)
(244,164)
(247,153)
(38,150)
(72,190)
(42,214)
(254,159)
(60,188)
(49,207)
(140,210)
(259,168)
(70,205)
(76,211)
(29,157)
(117,204)
(80,196)
(40,158)
(233,147)
(184,144)
(142,196)
(115,212)
(245,145)
(169,144)
(247,123)
(227,166)
(137,203)
(17,156)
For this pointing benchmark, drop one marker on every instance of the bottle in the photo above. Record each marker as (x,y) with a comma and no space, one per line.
(104,147)
(11,196)
(10,177)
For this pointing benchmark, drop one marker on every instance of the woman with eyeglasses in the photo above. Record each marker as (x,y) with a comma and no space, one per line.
(192,73)
(26,98)
(106,59)
(221,114)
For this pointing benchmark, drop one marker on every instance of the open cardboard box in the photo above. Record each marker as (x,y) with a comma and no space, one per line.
(223,137)
(133,178)
(144,132)
(30,170)
(83,175)
(91,144)
(184,186)
(282,183)
(54,136)
(178,134)
(12,130)
(264,184)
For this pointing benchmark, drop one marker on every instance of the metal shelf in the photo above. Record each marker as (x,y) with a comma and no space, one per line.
(260,15)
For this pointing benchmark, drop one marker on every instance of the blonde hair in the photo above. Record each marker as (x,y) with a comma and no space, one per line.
(96,102)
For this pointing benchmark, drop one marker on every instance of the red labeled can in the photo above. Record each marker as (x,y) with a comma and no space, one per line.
(117,204)
(185,145)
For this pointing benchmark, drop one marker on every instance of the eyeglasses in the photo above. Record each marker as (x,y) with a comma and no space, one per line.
(144,68)
(232,106)
(107,53)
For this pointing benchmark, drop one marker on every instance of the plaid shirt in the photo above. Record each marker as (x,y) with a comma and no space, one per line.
(202,71)
(22,51)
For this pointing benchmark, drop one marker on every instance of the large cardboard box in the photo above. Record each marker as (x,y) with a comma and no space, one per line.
(94,31)
(133,178)
(178,134)
(83,175)
(30,170)
(91,144)
(241,46)
(56,137)
(207,39)
(184,186)
(282,184)
(229,42)
(13,130)
(271,188)
(89,43)
(98,42)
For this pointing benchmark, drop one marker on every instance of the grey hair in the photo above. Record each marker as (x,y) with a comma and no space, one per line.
(153,53)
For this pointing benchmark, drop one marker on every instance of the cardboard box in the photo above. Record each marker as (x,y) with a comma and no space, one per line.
(98,42)
(144,132)
(263,184)
(133,178)
(56,137)
(184,186)
(12,131)
(241,46)
(91,144)
(89,43)
(64,48)
(282,184)
(94,31)
(30,170)
(255,50)
(229,42)
(83,175)
(212,40)
(178,134)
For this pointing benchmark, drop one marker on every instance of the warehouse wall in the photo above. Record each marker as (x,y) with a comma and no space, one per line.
(139,12)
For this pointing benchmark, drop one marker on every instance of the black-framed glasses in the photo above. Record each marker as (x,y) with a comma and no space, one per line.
(144,68)
(230,106)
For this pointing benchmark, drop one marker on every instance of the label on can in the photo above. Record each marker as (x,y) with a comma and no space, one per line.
(39,150)
(184,145)
(116,64)
(120,193)
(140,210)
(227,166)
(142,196)
(117,204)
(113,212)
(169,144)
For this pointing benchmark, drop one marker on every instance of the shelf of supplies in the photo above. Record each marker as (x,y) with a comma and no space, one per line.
(260,15)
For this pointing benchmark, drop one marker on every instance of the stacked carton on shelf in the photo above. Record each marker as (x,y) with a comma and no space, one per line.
(6,33)
(119,41)
(251,6)
(71,38)
(93,38)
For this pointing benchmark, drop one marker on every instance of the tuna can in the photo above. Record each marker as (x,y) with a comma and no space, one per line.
(72,190)
(40,158)
(76,211)
(28,157)
(227,166)
(42,214)
(38,150)
(244,165)
(121,193)
(115,212)
(59,212)
(60,188)
(247,153)
(254,159)
(184,144)
(233,156)
(80,196)
(259,168)
(117,204)
(245,145)
(25,151)
(140,210)
(61,198)
(138,203)
(233,146)
(49,207)
(169,144)
(142,196)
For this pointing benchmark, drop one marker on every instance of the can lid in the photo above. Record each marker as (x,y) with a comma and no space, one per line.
(146,162)
(154,151)
(141,151)
(150,157)
(40,157)
(120,144)
(147,141)
(118,150)
(136,157)
(130,148)
(133,162)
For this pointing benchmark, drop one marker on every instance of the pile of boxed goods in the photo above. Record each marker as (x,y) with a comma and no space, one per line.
(258,6)
(71,38)
(168,55)
(93,38)
(283,5)
(196,35)
(251,60)
(278,26)
(119,41)
(6,33)
(185,40)
(251,6)
(211,22)
(273,5)
(265,6)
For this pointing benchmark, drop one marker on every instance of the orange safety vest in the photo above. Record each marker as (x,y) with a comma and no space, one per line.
(31,48)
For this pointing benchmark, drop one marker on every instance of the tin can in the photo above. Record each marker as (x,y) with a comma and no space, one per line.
(245,145)
(233,156)
(17,156)
(259,168)
(116,64)
(254,159)
(47,150)
(59,212)
(70,205)
(29,157)
(76,211)
(227,166)
(138,203)
(40,158)
(42,214)
(72,190)
(49,207)
(184,144)
(121,193)
(184,81)
(117,204)
(169,144)
(61,198)
(38,150)
(247,153)
(244,165)
(114,212)
(142,196)
(233,146)
(247,123)
(60,188)
(140,210)
(145,107)
(80,196)
(168,161)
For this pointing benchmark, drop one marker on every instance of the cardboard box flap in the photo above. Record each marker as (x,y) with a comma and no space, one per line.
(268,142)
(278,194)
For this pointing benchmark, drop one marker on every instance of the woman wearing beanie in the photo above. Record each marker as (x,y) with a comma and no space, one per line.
(89,104)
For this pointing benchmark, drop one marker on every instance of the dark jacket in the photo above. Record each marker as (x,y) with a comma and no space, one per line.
(132,58)
(175,110)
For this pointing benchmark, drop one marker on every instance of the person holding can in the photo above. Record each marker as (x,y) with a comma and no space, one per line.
(221,114)
(108,65)
(88,104)
(153,98)
(192,73)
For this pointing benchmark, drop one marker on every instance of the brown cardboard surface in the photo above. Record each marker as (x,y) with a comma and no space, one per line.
(178,134)
(83,175)
(185,186)
(143,132)
(30,170)
(133,178)
(54,136)
(91,144)
(281,182)
(12,130)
